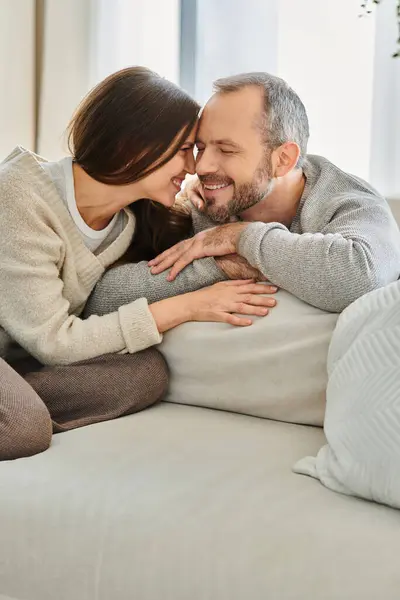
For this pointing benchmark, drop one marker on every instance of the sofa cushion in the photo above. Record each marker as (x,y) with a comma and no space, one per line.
(179,502)
(362,421)
(274,369)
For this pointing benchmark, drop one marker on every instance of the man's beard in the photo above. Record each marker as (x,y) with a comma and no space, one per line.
(245,195)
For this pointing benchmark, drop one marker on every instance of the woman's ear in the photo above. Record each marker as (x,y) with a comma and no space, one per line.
(286,158)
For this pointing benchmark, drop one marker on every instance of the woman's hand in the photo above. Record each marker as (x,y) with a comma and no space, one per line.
(215,303)
(192,192)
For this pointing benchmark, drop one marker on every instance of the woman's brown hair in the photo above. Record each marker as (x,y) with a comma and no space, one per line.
(128,126)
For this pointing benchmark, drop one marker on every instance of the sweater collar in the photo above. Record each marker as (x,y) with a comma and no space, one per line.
(91,266)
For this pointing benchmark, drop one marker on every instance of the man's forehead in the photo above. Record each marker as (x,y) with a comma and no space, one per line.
(226,113)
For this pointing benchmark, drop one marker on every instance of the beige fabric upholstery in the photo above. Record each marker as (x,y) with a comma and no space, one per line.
(59,398)
(179,503)
(274,369)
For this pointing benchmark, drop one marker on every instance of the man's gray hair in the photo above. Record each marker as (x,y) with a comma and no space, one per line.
(285,117)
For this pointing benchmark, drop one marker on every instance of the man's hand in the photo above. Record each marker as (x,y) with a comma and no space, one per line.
(237,267)
(217,241)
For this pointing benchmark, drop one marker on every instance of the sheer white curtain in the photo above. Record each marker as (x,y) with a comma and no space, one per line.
(17,69)
(65,70)
(127,32)
(228,37)
(340,65)
(326,52)
(323,49)
(53,51)
(86,40)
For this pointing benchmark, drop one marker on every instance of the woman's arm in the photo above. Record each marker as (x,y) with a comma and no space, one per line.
(34,308)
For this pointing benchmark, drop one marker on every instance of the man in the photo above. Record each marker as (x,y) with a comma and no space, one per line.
(322,234)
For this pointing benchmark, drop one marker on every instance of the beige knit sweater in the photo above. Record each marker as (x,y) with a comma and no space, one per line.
(47,274)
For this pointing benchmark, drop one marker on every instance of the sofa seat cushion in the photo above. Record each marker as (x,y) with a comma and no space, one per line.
(179,502)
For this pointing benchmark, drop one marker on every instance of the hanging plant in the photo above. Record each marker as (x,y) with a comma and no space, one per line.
(367,7)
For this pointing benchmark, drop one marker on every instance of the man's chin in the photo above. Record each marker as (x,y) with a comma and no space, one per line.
(219,214)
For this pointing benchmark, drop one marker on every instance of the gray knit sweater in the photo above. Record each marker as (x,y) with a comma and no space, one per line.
(342,243)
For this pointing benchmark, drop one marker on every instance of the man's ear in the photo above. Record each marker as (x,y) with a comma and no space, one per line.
(286,158)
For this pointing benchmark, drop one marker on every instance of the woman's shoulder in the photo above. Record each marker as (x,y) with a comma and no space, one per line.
(21,166)
(22,177)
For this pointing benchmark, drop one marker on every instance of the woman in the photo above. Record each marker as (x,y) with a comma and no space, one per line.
(62,224)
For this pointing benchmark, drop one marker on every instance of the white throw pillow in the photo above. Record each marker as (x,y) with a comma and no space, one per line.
(275,368)
(362,423)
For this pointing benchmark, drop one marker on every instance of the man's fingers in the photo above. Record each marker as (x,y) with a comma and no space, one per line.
(167,259)
(178,249)
(165,264)
(180,264)
(161,257)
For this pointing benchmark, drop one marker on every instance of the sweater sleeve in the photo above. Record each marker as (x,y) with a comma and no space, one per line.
(34,309)
(126,283)
(356,251)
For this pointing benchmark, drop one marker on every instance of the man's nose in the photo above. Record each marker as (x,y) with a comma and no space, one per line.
(205,163)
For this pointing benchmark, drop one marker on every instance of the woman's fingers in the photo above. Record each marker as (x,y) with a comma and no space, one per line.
(238,282)
(256,288)
(249,309)
(270,289)
(197,200)
(235,320)
(257,300)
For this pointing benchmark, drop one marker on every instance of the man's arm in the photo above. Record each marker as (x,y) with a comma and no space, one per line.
(125,283)
(357,251)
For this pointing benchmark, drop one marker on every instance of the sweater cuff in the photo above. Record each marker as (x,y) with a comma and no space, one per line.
(138,326)
(251,238)
(209,272)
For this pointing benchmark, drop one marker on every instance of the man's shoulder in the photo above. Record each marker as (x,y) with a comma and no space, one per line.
(324,176)
(330,191)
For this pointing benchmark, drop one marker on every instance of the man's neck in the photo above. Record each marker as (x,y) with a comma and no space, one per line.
(281,204)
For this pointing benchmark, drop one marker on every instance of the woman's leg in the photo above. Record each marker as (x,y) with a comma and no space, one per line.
(25,423)
(100,389)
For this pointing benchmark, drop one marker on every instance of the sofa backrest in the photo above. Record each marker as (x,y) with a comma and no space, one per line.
(395,206)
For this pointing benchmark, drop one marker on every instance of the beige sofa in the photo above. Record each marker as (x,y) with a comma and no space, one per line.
(187,503)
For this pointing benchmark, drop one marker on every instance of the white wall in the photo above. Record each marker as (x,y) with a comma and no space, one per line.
(234,36)
(326,54)
(16,75)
